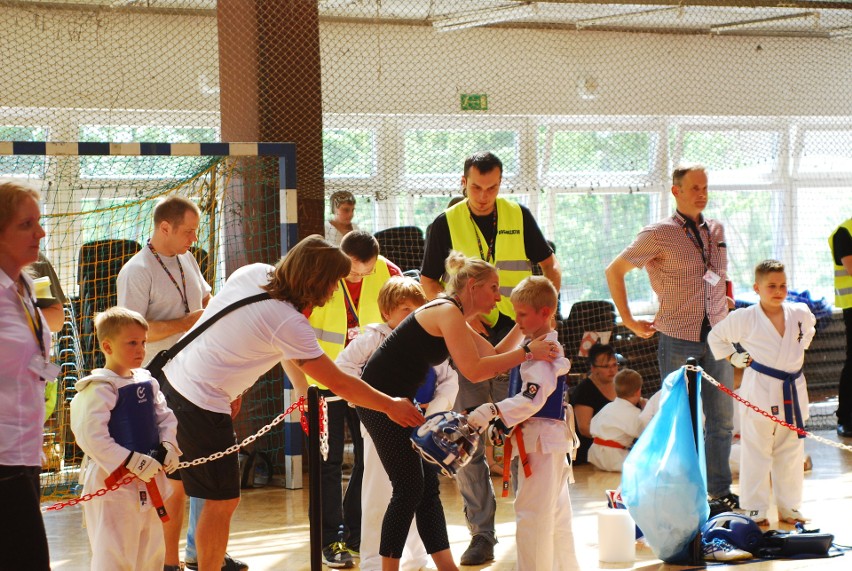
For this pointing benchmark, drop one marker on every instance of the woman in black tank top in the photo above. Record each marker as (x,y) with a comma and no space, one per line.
(424,339)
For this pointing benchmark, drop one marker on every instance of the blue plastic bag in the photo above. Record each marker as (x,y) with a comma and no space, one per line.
(664,479)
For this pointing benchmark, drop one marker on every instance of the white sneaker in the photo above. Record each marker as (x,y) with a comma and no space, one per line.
(721,550)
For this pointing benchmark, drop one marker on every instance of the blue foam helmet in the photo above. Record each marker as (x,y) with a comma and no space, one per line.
(446,440)
(738,530)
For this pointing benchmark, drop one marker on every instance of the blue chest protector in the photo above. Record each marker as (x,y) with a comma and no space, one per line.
(554,406)
(426,391)
(132,423)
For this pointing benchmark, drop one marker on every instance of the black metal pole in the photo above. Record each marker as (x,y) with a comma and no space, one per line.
(314,459)
(696,555)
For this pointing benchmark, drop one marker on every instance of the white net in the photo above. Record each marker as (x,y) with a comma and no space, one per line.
(588,105)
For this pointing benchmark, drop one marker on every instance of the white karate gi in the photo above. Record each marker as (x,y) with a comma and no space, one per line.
(376,487)
(618,421)
(124,530)
(770,452)
(543,532)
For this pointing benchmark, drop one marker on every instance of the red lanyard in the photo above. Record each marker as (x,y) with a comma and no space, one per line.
(182,294)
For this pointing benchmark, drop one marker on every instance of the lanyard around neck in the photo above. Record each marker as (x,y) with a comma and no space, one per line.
(490,254)
(182,294)
(347,297)
(33,319)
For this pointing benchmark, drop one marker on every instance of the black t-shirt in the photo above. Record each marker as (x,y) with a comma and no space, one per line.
(842,245)
(440,243)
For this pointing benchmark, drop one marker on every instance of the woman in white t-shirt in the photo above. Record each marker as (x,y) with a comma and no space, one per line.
(342,211)
(208,377)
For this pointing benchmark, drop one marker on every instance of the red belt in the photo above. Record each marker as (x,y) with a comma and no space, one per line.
(153,490)
(507,458)
(609,443)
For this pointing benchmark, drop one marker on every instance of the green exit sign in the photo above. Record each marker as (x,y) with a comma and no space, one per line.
(474,102)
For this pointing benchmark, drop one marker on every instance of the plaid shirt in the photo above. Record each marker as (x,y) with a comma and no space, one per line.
(676,265)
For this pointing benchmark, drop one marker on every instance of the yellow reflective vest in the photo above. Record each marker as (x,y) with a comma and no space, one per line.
(329,321)
(510,255)
(842,279)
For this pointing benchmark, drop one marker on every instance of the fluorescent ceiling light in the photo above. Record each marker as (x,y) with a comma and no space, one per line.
(757,23)
(478,18)
(580,24)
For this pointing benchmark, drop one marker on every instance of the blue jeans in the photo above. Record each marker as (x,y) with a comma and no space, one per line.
(718,406)
(195,507)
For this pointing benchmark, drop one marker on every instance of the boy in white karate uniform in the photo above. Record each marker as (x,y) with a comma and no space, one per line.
(121,421)
(773,336)
(398,298)
(617,425)
(536,410)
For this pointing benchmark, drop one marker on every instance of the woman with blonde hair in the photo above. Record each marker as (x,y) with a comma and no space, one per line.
(24,370)
(424,339)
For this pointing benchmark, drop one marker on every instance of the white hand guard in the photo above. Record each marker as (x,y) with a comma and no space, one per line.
(143,466)
(171,460)
(740,360)
(482,415)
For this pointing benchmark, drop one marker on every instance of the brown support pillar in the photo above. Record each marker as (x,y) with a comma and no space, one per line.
(271,90)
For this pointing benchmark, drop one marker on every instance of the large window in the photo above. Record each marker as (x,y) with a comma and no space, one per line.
(348,153)
(442,152)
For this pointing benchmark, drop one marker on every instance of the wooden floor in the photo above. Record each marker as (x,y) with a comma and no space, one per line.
(270,529)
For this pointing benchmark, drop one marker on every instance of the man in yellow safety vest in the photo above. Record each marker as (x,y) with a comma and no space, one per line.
(840,243)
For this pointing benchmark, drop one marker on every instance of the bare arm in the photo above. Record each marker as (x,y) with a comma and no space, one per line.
(356,391)
(447,322)
(158,330)
(615,273)
(552,271)
(55,316)
(431,287)
(297,377)
(847,264)
(584,414)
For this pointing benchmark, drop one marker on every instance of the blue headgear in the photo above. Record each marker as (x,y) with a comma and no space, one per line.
(738,530)
(447,440)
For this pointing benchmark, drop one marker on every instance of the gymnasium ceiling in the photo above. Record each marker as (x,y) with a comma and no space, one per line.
(795,18)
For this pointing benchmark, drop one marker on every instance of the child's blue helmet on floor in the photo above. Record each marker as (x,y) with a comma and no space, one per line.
(446,440)
(738,530)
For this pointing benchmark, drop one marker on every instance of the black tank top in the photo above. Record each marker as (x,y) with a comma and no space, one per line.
(400,364)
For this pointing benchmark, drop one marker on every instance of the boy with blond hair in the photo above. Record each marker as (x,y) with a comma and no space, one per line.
(398,299)
(768,340)
(121,421)
(616,427)
(535,410)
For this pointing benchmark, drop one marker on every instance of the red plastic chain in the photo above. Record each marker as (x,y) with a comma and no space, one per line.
(303,408)
(86,497)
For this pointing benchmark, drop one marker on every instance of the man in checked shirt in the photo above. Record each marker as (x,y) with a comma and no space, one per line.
(687,263)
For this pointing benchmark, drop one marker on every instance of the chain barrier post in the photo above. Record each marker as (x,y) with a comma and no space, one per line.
(315,498)
(693,388)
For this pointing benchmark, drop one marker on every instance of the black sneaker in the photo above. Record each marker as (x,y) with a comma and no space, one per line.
(844,429)
(478,552)
(230,564)
(337,556)
(727,503)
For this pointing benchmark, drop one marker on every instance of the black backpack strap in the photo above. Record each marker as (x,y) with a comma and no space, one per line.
(189,337)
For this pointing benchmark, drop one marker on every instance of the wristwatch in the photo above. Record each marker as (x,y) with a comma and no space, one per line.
(528,356)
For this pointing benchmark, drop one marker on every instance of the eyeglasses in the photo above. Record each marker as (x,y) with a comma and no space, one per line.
(607,366)
(364,275)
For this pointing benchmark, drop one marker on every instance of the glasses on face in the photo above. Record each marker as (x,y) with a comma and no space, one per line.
(607,366)
(362,275)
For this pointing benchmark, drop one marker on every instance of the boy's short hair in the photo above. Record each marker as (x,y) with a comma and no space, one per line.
(767,267)
(535,291)
(627,382)
(399,289)
(109,323)
(360,244)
